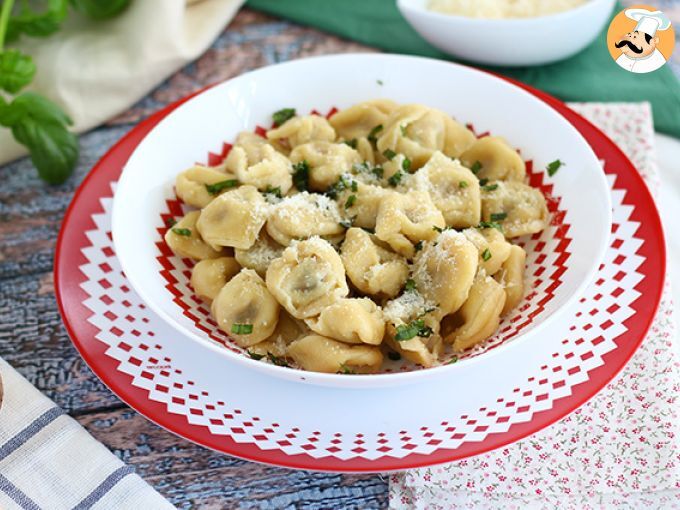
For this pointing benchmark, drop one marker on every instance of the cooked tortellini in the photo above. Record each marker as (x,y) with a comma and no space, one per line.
(308,277)
(193,185)
(185,239)
(234,218)
(479,316)
(245,309)
(418,131)
(359,120)
(495,159)
(523,208)
(318,353)
(371,267)
(210,275)
(327,162)
(405,219)
(386,229)
(350,320)
(454,190)
(304,215)
(299,130)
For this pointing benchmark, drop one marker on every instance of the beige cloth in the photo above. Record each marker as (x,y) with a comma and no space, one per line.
(96,70)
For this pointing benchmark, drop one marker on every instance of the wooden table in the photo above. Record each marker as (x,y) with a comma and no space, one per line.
(34,341)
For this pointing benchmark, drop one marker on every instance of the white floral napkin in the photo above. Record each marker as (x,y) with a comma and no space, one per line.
(620,450)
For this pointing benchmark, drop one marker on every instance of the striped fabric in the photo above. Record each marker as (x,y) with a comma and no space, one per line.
(48,461)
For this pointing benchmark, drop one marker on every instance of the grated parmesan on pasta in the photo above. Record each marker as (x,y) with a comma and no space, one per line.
(500,9)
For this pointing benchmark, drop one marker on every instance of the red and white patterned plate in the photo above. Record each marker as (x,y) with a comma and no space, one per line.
(229,408)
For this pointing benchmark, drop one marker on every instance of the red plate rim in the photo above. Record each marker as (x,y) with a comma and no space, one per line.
(70,298)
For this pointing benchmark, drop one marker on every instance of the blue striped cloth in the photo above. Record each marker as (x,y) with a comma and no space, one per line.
(48,461)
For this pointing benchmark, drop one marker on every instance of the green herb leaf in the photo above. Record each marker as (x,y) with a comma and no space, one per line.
(255,355)
(352,143)
(37,23)
(273,191)
(490,224)
(372,135)
(439,229)
(403,130)
(490,187)
(412,330)
(463,184)
(350,201)
(419,246)
(218,187)
(182,232)
(498,216)
(394,356)
(486,255)
(283,115)
(100,9)
(389,154)
(378,171)
(170,222)
(453,360)
(276,360)
(241,329)
(16,71)
(369,230)
(483,182)
(553,167)
(476,167)
(41,126)
(410,285)
(406,164)
(301,175)
(344,369)
(395,179)
(355,186)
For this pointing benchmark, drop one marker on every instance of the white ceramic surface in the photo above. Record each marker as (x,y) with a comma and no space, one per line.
(203,123)
(509,42)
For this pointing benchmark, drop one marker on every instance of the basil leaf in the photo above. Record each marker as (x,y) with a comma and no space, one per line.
(16,71)
(100,9)
(37,24)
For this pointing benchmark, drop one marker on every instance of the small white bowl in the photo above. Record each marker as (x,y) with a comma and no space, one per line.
(561,261)
(509,42)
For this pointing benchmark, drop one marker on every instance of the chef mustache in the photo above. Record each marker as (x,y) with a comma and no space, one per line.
(626,42)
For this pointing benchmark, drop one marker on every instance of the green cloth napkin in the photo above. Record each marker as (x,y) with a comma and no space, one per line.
(591,75)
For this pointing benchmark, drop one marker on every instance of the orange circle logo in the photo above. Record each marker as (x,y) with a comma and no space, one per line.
(641,39)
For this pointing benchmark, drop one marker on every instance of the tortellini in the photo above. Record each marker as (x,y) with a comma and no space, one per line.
(234,218)
(479,316)
(304,215)
(418,131)
(320,354)
(350,320)
(522,207)
(404,219)
(245,309)
(444,271)
(185,239)
(496,160)
(370,267)
(359,120)
(386,229)
(192,185)
(511,276)
(210,275)
(327,162)
(308,277)
(299,130)
(454,190)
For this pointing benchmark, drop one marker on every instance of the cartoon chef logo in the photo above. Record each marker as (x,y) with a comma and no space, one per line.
(640,39)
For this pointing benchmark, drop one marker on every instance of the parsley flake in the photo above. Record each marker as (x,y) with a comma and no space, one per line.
(500,216)
(395,179)
(241,329)
(403,130)
(415,328)
(216,188)
(279,362)
(553,167)
(344,369)
(372,135)
(255,355)
(490,224)
(406,164)
(389,154)
(170,222)
(350,201)
(453,360)
(182,232)
(352,143)
(419,246)
(483,182)
(378,171)
(273,191)
(476,167)
(463,184)
(486,255)
(410,285)
(283,115)
(301,175)
(490,187)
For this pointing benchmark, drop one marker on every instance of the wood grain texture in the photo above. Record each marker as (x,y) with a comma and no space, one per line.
(34,341)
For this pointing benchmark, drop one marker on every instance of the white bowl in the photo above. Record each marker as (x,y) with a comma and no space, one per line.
(509,42)
(561,262)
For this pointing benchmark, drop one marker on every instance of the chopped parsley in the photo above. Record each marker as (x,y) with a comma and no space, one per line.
(499,216)
(279,362)
(255,355)
(378,171)
(439,229)
(301,175)
(273,191)
(406,164)
(403,130)
(170,222)
(415,328)
(216,188)
(453,360)
(486,255)
(463,184)
(483,182)
(389,154)
(394,356)
(369,230)
(379,82)
(419,246)
(553,167)
(344,369)
(350,201)
(490,224)
(395,179)
(360,167)
(476,167)
(283,115)
(182,232)
(372,135)
(410,285)
(352,143)
(354,186)
(341,185)
(490,187)
(241,329)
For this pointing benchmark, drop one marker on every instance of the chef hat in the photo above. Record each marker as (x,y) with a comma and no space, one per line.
(648,21)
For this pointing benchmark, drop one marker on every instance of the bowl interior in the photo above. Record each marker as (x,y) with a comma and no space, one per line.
(561,260)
